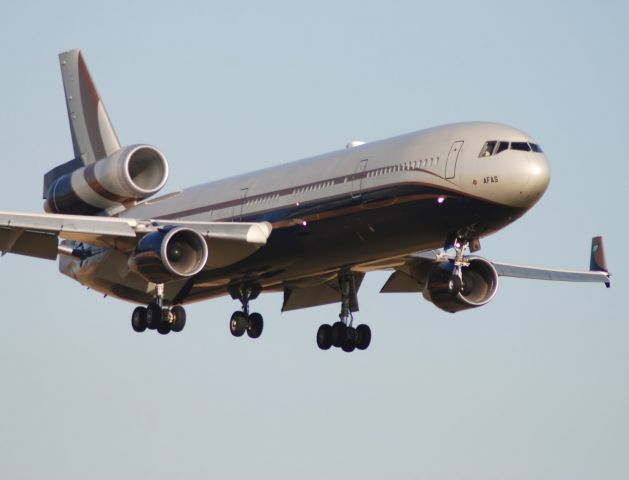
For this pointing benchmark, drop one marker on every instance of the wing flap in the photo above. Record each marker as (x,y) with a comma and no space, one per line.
(308,295)
(400,282)
(31,244)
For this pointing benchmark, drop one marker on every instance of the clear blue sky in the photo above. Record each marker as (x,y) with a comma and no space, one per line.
(534,385)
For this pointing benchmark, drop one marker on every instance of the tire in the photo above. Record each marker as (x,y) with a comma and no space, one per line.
(180,318)
(350,341)
(238,323)
(163,328)
(324,337)
(255,325)
(339,333)
(153,316)
(364,337)
(138,319)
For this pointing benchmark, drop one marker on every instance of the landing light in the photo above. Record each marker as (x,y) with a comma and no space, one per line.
(440,200)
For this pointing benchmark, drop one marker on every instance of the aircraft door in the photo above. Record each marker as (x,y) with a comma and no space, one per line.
(239,209)
(453,156)
(357,179)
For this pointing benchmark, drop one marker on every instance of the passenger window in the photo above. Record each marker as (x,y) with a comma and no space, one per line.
(501,147)
(488,149)
(536,148)
(522,146)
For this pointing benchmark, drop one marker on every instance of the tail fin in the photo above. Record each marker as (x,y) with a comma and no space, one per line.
(93,136)
(597,256)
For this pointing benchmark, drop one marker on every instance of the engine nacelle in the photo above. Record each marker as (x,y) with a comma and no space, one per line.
(169,254)
(131,174)
(480,282)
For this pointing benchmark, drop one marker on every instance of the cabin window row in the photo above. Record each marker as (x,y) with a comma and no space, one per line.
(423,163)
(313,187)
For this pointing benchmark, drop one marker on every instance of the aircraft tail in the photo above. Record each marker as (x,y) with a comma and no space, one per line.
(103,178)
(93,135)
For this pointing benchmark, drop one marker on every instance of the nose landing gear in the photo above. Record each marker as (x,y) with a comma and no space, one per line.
(457,284)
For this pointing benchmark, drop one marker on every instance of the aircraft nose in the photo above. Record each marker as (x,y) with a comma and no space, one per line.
(528,175)
(537,178)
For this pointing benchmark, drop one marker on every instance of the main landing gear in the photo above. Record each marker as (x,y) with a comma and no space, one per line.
(157,317)
(242,321)
(342,333)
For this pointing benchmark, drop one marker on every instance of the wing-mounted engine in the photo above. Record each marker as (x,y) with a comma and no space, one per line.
(118,181)
(479,285)
(168,254)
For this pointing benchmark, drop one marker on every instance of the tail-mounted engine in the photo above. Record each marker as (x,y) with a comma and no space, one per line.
(131,174)
(169,254)
(479,285)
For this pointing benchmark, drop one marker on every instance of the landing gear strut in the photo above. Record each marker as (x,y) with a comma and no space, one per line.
(242,321)
(456,284)
(157,317)
(342,333)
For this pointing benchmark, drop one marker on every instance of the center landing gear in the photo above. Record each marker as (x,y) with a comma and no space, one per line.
(157,317)
(342,334)
(242,321)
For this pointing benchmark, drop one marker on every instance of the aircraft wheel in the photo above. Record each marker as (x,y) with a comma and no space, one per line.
(179,314)
(153,316)
(255,325)
(138,319)
(339,334)
(350,341)
(164,328)
(324,337)
(364,337)
(238,324)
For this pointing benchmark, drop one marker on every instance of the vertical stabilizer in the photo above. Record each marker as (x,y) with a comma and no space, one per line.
(93,136)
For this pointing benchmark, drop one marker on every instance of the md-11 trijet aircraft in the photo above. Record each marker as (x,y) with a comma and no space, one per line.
(417,205)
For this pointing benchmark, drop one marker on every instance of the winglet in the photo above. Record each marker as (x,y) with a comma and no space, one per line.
(597,257)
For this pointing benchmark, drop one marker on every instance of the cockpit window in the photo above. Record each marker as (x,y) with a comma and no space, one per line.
(536,148)
(494,147)
(502,146)
(488,149)
(523,146)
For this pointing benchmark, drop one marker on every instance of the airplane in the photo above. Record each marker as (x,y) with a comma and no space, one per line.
(416,205)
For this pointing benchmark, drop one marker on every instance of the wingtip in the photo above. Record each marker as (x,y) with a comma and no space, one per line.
(597,256)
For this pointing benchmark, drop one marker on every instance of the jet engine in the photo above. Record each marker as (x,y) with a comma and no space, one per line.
(131,174)
(480,282)
(169,254)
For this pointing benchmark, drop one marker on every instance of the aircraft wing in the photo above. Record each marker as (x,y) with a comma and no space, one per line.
(38,235)
(412,274)
(536,273)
